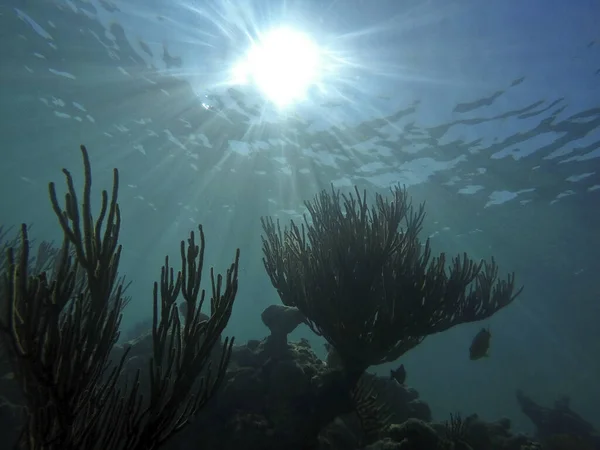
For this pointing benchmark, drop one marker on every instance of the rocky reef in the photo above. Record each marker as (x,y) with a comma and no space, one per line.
(278,394)
(274,388)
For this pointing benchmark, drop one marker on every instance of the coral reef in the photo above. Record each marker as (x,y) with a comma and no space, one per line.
(364,281)
(266,402)
(355,274)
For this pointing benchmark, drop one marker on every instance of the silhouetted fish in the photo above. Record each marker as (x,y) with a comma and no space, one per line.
(399,374)
(480,345)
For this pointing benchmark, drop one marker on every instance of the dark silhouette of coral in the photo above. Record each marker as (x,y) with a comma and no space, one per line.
(59,325)
(365,282)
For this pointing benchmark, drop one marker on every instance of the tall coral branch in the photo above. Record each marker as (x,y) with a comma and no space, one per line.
(59,326)
(60,332)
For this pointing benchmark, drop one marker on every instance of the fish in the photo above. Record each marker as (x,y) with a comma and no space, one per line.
(399,374)
(480,345)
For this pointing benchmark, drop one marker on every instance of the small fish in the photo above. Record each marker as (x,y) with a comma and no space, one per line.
(480,345)
(399,374)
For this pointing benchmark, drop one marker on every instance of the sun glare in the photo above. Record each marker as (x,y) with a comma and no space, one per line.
(283,65)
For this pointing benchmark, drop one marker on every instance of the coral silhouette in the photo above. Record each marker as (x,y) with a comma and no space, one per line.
(59,325)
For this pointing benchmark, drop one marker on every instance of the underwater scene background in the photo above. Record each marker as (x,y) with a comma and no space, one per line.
(489,112)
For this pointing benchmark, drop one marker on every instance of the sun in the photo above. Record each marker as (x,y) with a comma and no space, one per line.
(283,64)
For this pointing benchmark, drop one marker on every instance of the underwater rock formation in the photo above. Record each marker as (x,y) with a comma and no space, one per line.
(281,320)
(269,398)
(559,427)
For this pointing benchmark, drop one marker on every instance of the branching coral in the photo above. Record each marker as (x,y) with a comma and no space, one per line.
(456,431)
(365,282)
(59,333)
(373,414)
